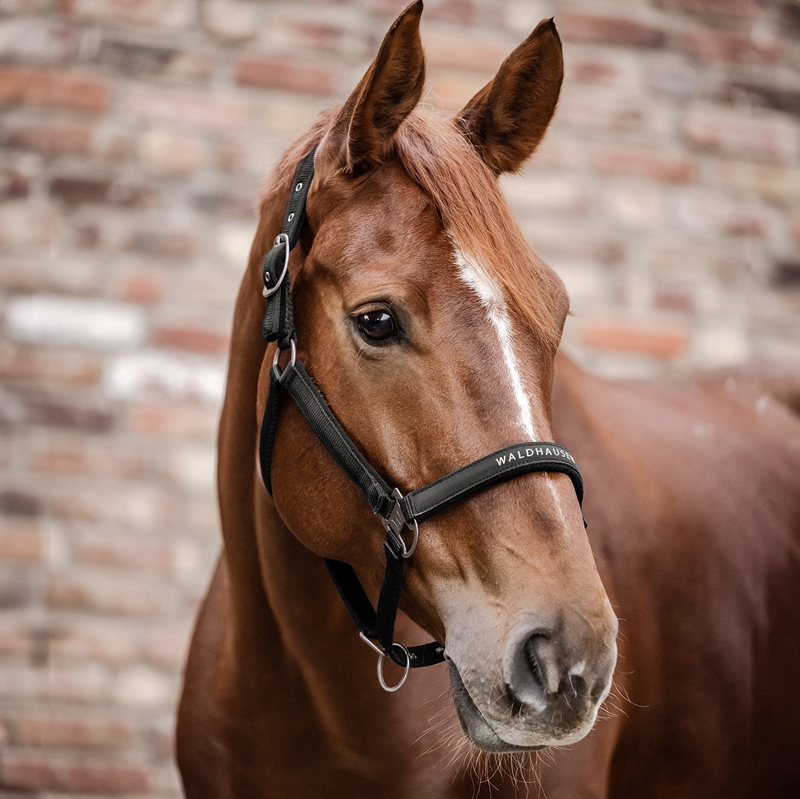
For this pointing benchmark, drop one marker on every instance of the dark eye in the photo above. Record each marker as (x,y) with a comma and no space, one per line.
(376,325)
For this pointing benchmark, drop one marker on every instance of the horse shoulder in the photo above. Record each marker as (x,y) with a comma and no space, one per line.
(694,516)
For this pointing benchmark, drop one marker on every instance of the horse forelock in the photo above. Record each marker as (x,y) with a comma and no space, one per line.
(471,206)
(478,220)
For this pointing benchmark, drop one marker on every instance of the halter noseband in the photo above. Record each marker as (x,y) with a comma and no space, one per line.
(399,514)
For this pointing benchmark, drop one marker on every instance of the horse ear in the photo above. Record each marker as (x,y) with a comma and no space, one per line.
(385,96)
(507,118)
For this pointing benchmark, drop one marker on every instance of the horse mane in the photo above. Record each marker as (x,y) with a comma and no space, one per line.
(473,210)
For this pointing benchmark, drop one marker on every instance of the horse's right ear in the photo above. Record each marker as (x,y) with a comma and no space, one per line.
(385,96)
(507,118)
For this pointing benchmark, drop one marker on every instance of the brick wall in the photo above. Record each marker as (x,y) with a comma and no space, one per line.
(134,136)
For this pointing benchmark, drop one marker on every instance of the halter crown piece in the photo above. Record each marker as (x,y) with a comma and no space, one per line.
(400,515)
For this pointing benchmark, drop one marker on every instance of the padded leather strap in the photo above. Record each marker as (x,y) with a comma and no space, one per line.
(532,456)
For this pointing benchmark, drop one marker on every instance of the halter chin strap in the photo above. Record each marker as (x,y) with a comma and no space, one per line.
(400,515)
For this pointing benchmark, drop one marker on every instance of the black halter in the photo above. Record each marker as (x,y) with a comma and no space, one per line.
(399,514)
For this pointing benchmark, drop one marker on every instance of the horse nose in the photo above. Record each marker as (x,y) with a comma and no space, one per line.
(553,665)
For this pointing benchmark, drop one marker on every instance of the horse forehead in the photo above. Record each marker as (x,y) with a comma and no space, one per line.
(382,201)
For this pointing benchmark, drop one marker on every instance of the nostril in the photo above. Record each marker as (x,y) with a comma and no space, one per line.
(541,654)
(532,659)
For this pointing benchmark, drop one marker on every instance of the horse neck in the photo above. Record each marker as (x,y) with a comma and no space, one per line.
(287,626)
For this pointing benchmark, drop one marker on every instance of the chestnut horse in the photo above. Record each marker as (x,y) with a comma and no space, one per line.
(431,329)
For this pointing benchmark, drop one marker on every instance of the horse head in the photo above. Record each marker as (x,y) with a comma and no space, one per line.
(431,329)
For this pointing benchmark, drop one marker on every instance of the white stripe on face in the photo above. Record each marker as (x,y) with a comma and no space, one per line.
(491,297)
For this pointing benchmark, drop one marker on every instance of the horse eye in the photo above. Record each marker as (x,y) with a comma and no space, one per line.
(376,325)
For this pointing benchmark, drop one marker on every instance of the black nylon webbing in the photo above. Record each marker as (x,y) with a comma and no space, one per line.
(320,417)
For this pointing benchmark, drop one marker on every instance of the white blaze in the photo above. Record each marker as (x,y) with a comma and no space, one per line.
(491,296)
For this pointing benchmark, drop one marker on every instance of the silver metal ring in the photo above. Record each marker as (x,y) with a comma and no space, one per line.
(381,658)
(292,359)
(392,688)
(281,237)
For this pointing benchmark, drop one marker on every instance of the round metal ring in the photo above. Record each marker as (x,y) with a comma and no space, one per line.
(392,688)
(292,358)
(281,237)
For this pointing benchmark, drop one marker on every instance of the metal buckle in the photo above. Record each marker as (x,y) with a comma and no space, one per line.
(394,524)
(381,658)
(281,237)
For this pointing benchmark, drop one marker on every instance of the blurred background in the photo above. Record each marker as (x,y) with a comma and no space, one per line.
(135,135)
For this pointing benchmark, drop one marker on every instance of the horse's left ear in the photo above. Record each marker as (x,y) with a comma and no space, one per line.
(507,118)
(385,96)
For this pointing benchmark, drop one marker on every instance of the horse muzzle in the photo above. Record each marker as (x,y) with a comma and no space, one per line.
(545,692)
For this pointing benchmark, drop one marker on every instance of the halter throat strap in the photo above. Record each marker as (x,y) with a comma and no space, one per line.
(400,515)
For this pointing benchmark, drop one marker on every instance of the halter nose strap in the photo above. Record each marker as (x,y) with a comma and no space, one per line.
(401,515)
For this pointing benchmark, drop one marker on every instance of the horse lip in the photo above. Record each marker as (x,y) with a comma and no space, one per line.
(474,723)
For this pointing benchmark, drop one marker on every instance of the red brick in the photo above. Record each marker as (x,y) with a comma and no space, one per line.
(51,138)
(175,421)
(16,640)
(19,503)
(96,591)
(87,683)
(87,457)
(37,729)
(465,49)
(15,590)
(137,505)
(453,88)
(22,409)
(152,556)
(773,182)
(795,228)
(37,40)
(735,8)
(591,70)
(716,214)
(645,337)
(580,26)
(643,162)
(762,137)
(25,225)
(76,191)
(168,153)
(188,109)
(44,773)
(145,286)
(95,640)
(53,88)
(164,13)
(29,363)
(276,72)
(459,12)
(706,44)
(20,541)
(595,110)
(167,647)
(82,190)
(193,339)
(14,184)
(168,244)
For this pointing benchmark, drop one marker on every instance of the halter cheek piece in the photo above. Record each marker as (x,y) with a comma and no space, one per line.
(400,515)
